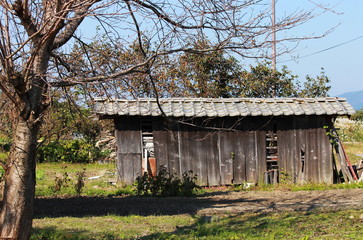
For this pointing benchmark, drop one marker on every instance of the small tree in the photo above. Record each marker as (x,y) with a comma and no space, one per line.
(263,81)
(208,74)
(358,116)
(316,87)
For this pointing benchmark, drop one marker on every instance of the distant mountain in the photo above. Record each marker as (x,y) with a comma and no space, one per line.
(354,98)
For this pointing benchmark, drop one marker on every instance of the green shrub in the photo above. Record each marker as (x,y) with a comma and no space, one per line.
(188,184)
(72,151)
(166,185)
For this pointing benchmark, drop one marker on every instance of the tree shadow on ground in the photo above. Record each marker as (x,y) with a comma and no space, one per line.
(131,205)
(215,214)
(226,227)
(215,202)
(50,233)
(230,227)
(259,225)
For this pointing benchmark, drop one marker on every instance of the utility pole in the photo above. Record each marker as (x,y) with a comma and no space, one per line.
(273,57)
(273,29)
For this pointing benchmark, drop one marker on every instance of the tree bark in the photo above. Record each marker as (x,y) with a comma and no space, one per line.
(19,191)
(31,101)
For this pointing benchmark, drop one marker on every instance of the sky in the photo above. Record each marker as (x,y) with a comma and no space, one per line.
(342,49)
(339,53)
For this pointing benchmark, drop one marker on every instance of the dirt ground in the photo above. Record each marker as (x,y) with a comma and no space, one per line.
(222,202)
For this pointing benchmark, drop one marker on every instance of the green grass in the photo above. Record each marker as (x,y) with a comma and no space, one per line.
(347,224)
(105,185)
(108,227)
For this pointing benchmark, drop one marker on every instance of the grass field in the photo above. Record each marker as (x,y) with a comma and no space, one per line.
(286,225)
(59,179)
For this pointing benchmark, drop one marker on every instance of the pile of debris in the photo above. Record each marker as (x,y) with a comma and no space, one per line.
(107,143)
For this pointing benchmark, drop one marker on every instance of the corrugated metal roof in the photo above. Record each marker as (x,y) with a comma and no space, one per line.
(223,107)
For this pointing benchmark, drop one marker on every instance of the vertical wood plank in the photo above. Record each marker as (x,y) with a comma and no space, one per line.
(130,165)
(228,151)
(302,162)
(282,149)
(190,158)
(212,159)
(325,161)
(287,149)
(180,153)
(300,157)
(239,161)
(166,147)
(311,157)
(199,155)
(251,173)
(316,157)
(184,151)
(293,154)
(128,141)
(173,152)
(160,148)
(120,167)
(220,158)
(261,155)
(308,162)
(295,157)
(128,171)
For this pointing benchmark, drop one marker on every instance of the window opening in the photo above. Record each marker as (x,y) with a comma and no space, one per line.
(148,158)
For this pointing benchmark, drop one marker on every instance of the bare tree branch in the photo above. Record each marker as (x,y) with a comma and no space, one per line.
(22,11)
(102,78)
(139,37)
(72,24)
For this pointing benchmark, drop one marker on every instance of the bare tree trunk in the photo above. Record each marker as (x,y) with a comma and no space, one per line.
(17,206)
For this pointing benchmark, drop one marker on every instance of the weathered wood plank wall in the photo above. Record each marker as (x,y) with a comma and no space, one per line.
(231,157)
(129,150)
(261,155)
(235,154)
(305,151)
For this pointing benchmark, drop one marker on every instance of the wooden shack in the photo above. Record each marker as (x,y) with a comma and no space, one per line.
(226,141)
